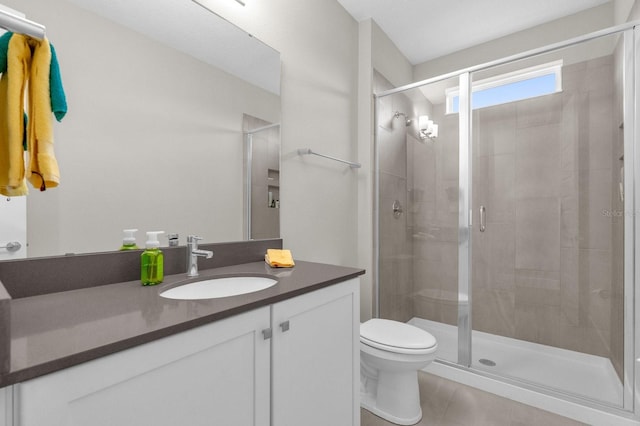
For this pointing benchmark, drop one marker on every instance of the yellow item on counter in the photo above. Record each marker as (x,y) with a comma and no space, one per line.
(279,258)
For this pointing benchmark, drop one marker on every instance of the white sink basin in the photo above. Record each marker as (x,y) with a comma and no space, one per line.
(219,287)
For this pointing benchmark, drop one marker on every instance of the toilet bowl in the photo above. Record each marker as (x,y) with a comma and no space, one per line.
(391,353)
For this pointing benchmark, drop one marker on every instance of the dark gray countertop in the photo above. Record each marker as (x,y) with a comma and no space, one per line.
(53,331)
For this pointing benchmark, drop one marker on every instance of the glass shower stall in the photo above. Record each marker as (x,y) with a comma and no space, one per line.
(505,216)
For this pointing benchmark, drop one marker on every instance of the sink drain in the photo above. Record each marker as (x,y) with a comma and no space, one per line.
(487,362)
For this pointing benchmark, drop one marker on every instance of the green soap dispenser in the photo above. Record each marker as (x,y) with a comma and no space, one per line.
(152,260)
(129,239)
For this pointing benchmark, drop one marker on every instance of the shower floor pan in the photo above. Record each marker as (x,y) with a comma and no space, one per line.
(569,371)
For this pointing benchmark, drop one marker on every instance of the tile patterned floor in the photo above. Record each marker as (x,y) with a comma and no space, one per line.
(447,403)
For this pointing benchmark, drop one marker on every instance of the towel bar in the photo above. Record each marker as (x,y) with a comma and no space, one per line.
(17,24)
(305,151)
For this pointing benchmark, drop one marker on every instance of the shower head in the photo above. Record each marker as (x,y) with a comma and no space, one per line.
(407,120)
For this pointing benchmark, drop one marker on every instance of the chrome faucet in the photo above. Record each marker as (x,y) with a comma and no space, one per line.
(193,253)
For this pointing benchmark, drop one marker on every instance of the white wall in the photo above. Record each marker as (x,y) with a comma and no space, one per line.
(388,60)
(634,13)
(562,29)
(319,46)
(365,155)
(622,11)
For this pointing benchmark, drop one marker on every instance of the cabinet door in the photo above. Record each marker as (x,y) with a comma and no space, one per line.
(216,374)
(6,406)
(315,358)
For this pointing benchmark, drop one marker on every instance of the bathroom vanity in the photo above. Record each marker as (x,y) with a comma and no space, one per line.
(286,355)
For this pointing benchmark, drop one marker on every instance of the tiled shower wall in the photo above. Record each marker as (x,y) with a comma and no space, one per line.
(396,250)
(548,267)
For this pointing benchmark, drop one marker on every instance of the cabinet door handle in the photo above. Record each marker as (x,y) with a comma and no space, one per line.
(12,246)
(267,333)
(284,326)
(483,218)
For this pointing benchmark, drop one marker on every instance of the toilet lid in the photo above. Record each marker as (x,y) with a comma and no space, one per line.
(395,334)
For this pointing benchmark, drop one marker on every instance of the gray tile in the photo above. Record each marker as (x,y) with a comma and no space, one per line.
(594,203)
(496,129)
(537,279)
(538,155)
(447,152)
(570,131)
(525,415)
(501,253)
(569,221)
(447,403)
(570,284)
(392,148)
(600,134)
(437,396)
(502,189)
(539,111)
(538,234)
(494,312)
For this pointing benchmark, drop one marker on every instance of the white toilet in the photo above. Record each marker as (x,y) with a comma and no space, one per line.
(391,353)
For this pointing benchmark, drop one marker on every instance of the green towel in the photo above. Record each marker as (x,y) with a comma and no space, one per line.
(4,47)
(58,98)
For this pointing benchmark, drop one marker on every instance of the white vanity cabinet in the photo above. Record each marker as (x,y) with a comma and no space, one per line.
(6,402)
(316,358)
(289,364)
(217,374)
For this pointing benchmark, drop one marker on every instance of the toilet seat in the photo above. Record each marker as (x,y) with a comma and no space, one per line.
(394,336)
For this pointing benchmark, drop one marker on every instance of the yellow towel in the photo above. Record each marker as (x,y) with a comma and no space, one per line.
(12,87)
(26,69)
(42,169)
(279,258)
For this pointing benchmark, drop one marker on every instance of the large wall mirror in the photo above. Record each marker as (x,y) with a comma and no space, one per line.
(154,139)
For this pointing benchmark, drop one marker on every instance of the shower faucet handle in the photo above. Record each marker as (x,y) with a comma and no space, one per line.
(397,209)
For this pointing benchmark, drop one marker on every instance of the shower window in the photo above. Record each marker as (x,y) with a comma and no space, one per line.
(523,84)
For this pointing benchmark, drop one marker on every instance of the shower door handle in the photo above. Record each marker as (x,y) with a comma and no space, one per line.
(483,218)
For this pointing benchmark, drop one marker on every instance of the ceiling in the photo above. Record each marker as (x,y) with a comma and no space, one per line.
(191,28)
(427,29)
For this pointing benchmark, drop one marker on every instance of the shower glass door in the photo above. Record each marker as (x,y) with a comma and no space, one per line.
(508,233)
(547,214)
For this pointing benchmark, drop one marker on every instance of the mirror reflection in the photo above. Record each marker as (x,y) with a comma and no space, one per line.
(154,137)
(262,153)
